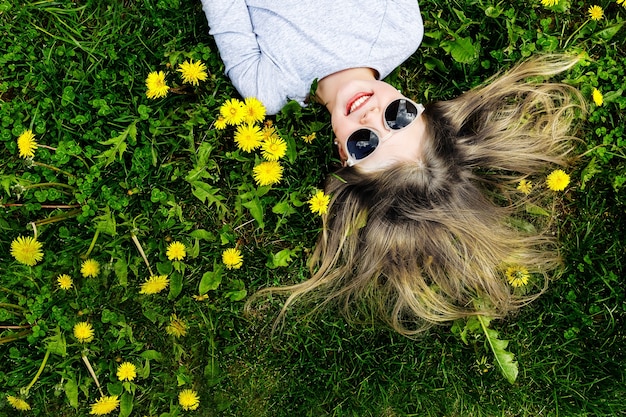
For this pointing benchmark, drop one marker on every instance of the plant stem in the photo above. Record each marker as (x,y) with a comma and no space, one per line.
(43,365)
(46,206)
(141,252)
(14,337)
(58,218)
(53,168)
(93,243)
(92,373)
(49,184)
(15,306)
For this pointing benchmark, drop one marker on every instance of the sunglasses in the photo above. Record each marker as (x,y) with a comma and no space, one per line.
(398,114)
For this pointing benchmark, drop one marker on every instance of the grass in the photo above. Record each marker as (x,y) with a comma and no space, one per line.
(74,73)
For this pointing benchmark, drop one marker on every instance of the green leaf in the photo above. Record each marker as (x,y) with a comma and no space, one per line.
(210,281)
(504,359)
(118,144)
(461,49)
(121,271)
(256,210)
(56,344)
(590,170)
(281,258)
(151,355)
(71,391)
(176,285)
(608,33)
(126,404)
(536,210)
(208,194)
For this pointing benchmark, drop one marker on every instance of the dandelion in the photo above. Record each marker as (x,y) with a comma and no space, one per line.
(104,405)
(557,180)
(83,332)
(525,186)
(517,275)
(26,250)
(622,2)
(65,281)
(232,258)
(248,137)
(200,297)
(18,403)
(268,130)
(595,12)
(268,173)
(273,148)
(549,3)
(319,203)
(254,110)
(220,123)
(192,72)
(188,399)
(26,144)
(126,371)
(176,251)
(154,285)
(90,268)
(597,96)
(177,327)
(232,111)
(156,85)
(309,138)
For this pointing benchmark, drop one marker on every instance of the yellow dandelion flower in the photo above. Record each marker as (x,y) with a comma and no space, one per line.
(188,399)
(90,268)
(200,297)
(18,403)
(176,327)
(319,203)
(26,144)
(105,405)
(248,137)
(517,275)
(192,72)
(309,138)
(83,332)
(557,180)
(268,130)
(220,123)
(26,250)
(156,85)
(176,251)
(595,12)
(65,281)
(254,110)
(273,148)
(525,186)
(268,173)
(155,284)
(126,371)
(232,111)
(597,96)
(549,3)
(622,2)
(232,258)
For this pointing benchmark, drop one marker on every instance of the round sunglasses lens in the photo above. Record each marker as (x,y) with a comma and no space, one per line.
(362,143)
(400,113)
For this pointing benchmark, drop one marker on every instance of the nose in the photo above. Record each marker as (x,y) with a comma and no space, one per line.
(370,115)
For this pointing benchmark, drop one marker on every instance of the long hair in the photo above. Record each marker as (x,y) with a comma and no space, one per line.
(428,242)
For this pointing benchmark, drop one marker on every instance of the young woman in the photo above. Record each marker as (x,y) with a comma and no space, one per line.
(423,224)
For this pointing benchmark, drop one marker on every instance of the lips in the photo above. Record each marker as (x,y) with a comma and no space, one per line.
(357,101)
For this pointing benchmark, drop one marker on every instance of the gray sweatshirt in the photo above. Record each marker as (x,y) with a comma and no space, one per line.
(274,49)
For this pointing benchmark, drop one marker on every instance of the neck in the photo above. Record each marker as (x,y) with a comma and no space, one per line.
(328,86)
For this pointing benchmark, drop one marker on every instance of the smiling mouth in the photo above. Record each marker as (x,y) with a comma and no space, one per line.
(357,101)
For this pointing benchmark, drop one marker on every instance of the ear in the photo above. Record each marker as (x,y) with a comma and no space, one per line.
(342,152)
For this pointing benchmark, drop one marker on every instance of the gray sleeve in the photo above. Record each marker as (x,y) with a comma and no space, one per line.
(251,72)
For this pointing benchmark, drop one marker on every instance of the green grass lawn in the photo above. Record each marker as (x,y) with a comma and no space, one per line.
(117,177)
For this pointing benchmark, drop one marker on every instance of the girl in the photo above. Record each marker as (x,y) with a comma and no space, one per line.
(421,228)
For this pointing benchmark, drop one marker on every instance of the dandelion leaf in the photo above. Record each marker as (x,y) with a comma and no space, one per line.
(71,392)
(126,405)
(504,359)
(118,144)
(210,281)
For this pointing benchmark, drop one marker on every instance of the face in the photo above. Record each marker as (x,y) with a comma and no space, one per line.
(361,104)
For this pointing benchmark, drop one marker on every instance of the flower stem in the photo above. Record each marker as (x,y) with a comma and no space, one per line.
(93,243)
(53,168)
(49,184)
(43,365)
(13,337)
(92,373)
(141,252)
(58,218)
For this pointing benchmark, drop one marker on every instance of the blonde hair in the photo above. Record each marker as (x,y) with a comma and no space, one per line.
(418,244)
